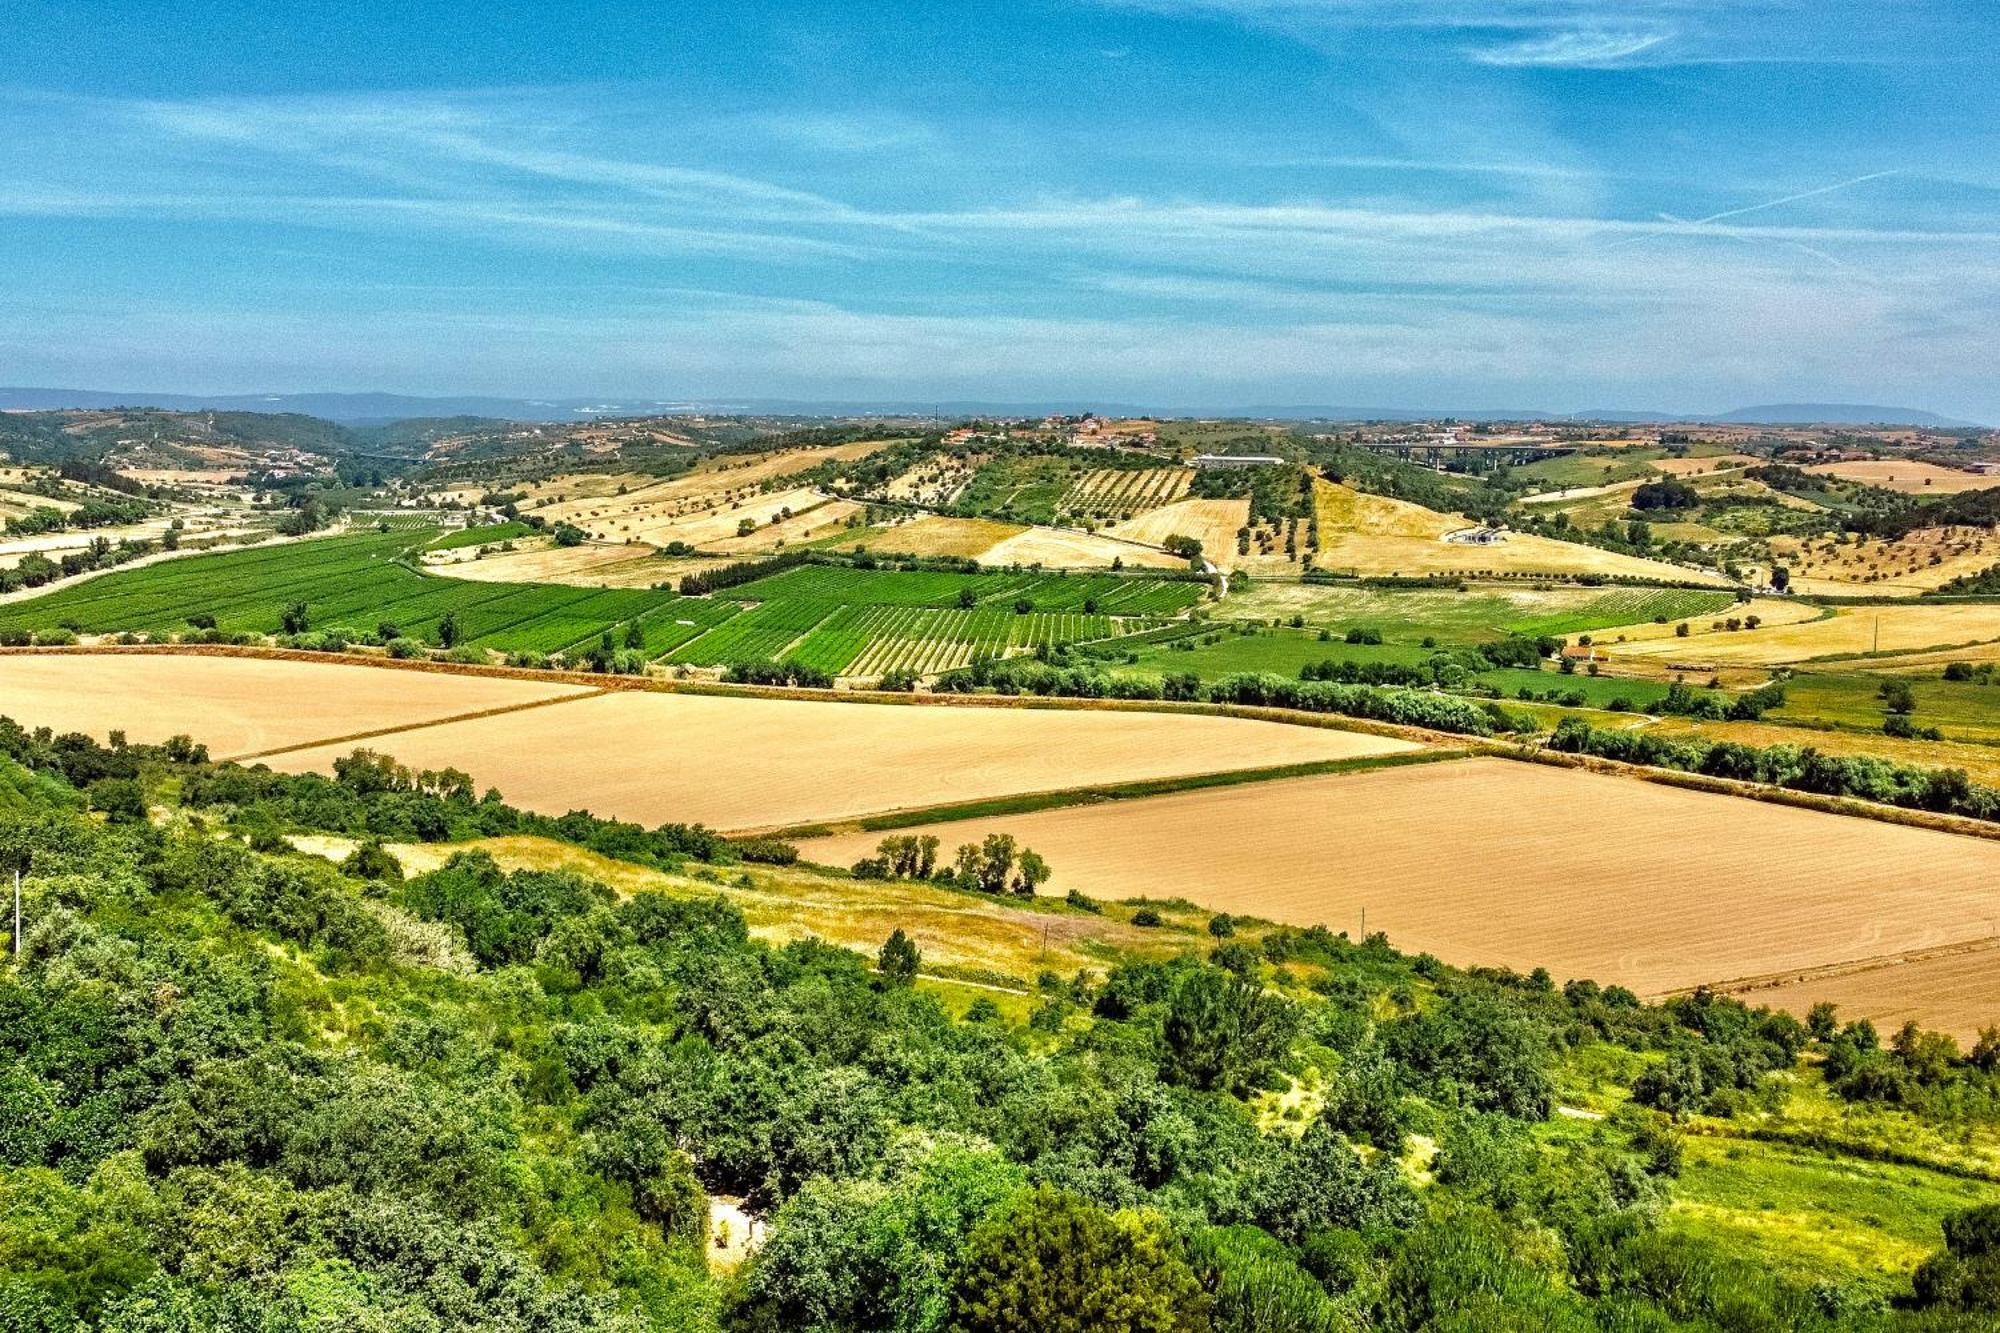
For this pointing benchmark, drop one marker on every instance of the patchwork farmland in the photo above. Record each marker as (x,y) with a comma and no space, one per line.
(833,619)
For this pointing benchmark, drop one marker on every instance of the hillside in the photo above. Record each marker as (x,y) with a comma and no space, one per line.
(586,1076)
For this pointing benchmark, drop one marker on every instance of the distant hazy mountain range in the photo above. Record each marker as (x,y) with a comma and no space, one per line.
(370,408)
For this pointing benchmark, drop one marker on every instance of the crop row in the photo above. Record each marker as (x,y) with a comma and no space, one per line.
(759,634)
(1112,593)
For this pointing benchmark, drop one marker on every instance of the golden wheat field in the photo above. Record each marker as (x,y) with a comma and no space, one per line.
(242,705)
(1496,862)
(739,763)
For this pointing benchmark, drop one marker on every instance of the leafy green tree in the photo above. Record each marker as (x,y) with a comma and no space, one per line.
(899,959)
(296,618)
(1053,1262)
(447,630)
(1965,1275)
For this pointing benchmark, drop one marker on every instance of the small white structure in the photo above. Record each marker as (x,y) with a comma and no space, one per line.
(1237,460)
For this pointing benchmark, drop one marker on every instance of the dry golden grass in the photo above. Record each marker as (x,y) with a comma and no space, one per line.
(736,763)
(1907,475)
(1696,467)
(953,929)
(596,565)
(936,481)
(1060,548)
(937,534)
(1374,535)
(1493,862)
(823,518)
(1980,762)
(1768,610)
(1915,563)
(1857,629)
(241,705)
(1213,523)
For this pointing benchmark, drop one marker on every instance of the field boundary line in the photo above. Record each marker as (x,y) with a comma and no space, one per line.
(1851,967)
(500,711)
(1804,800)
(1889,814)
(1060,798)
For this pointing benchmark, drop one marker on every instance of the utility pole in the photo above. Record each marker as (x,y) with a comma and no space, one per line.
(17,914)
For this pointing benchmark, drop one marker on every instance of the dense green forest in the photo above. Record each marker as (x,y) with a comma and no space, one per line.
(246,1088)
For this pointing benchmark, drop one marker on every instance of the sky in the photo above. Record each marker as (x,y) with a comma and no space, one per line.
(1550,205)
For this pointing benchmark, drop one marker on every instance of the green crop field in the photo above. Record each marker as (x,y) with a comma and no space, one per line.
(1114,594)
(492,532)
(357,583)
(831,618)
(1961,710)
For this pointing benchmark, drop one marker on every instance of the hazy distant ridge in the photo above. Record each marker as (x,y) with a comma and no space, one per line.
(355,408)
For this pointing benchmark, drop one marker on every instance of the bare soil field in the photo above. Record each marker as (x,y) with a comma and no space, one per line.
(1374,535)
(241,705)
(1955,991)
(1907,475)
(735,763)
(1495,862)
(1854,629)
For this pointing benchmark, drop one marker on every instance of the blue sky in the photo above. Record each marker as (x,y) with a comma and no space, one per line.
(1555,204)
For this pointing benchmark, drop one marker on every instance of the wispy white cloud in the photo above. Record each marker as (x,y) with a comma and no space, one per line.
(1582,48)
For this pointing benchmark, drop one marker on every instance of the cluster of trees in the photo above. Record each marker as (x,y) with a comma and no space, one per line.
(777,673)
(1798,768)
(748,571)
(1385,703)
(246,1089)
(996,864)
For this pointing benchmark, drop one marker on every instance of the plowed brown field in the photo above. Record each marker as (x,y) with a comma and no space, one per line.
(1490,861)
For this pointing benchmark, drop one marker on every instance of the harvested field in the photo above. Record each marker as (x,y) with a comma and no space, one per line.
(1494,862)
(736,763)
(1907,475)
(1374,535)
(1855,629)
(592,565)
(936,534)
(241,705)
(1213,523)
(1950,990)
(1060,548)
(1770,611)
(1696,467)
